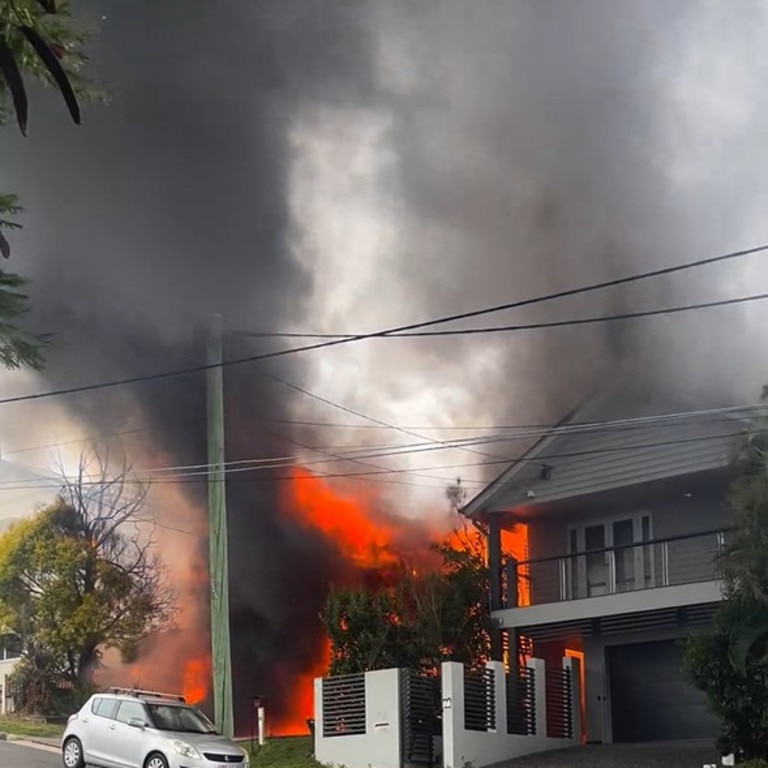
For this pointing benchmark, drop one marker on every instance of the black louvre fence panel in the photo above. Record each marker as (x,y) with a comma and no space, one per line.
(421,702)
(521,702)
(559,687)
(479,700)
(343,705)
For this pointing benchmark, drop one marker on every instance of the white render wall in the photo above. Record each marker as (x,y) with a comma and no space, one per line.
(478,748)
(379,746)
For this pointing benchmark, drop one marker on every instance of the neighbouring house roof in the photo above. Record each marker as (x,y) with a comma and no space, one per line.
(607,444)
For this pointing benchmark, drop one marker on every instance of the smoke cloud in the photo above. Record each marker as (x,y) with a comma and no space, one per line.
(341,167)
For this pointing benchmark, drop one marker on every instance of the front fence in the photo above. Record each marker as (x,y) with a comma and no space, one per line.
(399,717)
(343,705)
(559,697)
(521,702)
(421,716)
(479,700)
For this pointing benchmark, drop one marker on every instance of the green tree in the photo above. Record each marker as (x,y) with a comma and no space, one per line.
(420,622)
(730,663)
(82,576)
(41,43)
(367,631)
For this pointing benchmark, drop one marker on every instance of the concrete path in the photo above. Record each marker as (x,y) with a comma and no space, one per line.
(687,754)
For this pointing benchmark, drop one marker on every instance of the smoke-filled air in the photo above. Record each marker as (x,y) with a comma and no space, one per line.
(340,168)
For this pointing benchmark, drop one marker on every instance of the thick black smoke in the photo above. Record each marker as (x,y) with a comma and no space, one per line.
(170,204)
(519,148)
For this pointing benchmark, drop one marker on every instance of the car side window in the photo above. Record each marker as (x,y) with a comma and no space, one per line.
(128,710)
(104,707)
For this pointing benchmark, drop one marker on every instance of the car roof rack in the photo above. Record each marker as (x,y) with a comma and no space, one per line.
(140,694)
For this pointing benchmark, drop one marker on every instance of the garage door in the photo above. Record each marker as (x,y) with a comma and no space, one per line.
(650,699)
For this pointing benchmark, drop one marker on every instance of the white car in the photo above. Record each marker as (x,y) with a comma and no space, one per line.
(145,729)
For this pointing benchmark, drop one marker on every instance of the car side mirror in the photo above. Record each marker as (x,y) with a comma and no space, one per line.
(137,722)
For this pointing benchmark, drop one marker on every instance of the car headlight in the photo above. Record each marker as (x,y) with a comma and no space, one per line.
(246,760)
(185,750)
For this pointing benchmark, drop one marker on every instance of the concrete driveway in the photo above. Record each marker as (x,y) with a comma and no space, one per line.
(687,754)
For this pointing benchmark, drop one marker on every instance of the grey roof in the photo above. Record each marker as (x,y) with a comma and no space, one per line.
(586,454)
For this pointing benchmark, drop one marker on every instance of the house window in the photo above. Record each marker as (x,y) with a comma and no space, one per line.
(606,556)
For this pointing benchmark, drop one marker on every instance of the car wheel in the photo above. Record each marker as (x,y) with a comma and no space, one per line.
(156,760)
(72,753)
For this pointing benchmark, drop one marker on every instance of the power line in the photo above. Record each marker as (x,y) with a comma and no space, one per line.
(79,441)
(199,476)
(400,329)
(356,454)
(536,428)
(545,324)
(336,457)
(360,414)
(514,431)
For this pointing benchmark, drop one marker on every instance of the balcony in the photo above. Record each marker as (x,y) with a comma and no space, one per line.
(614,571)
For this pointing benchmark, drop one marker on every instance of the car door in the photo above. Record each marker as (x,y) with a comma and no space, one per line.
(97,731)
(128,744)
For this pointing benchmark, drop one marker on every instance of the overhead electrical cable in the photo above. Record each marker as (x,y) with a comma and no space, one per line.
(364,416)
(196,476)
(362,452)
(549,323)
(400,329)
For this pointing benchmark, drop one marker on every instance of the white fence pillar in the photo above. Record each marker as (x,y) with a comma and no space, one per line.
(540,693)
(499,694)
(452,685)
(574,665)
(318,713)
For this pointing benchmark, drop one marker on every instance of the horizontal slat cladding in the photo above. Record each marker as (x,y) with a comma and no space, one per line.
(666,618)
(560,631)
(479,700)
(700,614)
(521,702)
(559,703)
(344,705)
(638,622)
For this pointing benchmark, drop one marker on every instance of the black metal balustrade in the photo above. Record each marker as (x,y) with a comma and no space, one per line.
(627,568)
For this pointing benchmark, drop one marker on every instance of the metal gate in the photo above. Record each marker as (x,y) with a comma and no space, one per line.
(421,706)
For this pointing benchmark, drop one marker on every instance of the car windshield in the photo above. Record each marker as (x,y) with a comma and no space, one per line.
(170,717)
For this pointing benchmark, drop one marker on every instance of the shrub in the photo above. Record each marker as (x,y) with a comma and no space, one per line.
(738,698)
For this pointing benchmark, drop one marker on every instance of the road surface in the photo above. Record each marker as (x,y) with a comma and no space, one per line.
(11,754)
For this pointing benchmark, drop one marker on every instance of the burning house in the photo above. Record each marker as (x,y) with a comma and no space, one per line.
(340,167)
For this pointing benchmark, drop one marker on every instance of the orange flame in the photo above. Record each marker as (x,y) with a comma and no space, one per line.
(368,539)
(345,519)
(302,697)
(197,675)
(514,543)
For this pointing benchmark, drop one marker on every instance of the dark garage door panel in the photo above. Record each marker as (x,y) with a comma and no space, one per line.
(650,699)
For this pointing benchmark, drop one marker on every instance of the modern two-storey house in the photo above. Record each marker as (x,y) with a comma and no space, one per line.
(621,508)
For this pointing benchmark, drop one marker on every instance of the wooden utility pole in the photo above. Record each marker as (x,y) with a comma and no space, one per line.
(218,562)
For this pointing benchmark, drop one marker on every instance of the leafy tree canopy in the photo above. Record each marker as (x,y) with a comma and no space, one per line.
(418,623)
(40,43)
(730,663)
(82,576)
